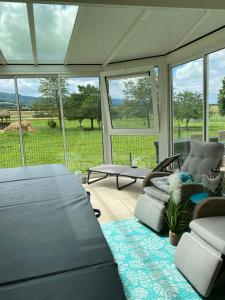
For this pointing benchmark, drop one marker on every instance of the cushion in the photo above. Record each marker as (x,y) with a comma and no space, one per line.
(199,263)
(203,157)
(185,177)
(196,198)
(156,193)
(162,183)
(213,185)
(150,212)
(212,230)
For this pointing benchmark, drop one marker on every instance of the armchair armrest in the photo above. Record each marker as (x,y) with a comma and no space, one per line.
(189,189)
(147,180)
(210,207)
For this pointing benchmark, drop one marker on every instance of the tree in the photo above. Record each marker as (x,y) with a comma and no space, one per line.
(85,104)
(221,99)
(91,107)
(72,108)
(188,105)
(138,99)
(49,100)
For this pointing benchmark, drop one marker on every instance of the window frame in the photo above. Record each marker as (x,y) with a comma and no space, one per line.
(121,74)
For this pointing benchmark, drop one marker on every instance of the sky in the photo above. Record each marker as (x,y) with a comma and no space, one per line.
(189,76)
(30,86)
(116,87)
(55,21)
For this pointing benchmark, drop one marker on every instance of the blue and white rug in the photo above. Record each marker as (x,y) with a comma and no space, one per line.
(146,263)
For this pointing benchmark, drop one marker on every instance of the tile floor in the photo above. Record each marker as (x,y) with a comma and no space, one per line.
(114,204)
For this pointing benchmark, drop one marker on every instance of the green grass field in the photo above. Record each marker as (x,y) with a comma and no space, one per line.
(84,146)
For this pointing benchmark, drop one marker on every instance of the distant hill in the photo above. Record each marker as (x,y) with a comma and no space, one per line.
(11,98)
(7,105)
(117,101)
(27,100)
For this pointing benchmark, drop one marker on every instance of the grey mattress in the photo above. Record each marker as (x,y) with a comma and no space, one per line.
(51,245)
(26,173)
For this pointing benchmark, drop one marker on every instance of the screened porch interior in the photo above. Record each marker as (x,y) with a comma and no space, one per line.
(123,82)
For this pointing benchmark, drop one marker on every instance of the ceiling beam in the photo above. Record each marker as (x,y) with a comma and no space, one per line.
(31,70)
(127,35)
(76,26)
(30,13)
(2,58)
(191,30)
(207,4)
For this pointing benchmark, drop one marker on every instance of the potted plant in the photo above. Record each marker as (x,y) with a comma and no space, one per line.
(177,211)
(177,219)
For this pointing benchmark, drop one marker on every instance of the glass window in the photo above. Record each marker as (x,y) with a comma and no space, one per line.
(15,40)
(187,104)
(41,120)
(216,95)
(53,25)
(82,119)
(130,102)
(143,150)
(9,126)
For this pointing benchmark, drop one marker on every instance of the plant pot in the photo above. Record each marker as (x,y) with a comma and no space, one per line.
(174,238)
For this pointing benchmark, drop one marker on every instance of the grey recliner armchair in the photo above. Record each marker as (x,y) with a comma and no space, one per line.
(200,254)
(151,206)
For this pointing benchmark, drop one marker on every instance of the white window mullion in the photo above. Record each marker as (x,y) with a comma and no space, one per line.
(205,98)
(62,121)
(106,123)
(20,127)
(154,98)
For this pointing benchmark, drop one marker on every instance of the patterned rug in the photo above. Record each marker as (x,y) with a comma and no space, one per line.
(146,263)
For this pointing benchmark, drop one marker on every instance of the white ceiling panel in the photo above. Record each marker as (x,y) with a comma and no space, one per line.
(100,30)
(213,22)
(159,33)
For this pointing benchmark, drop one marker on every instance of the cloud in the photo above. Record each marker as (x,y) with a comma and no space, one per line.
(189,76)
(28,87)
(53,24)
(74,82)
(14,34)
(116,87)
(216,74)
(7,86)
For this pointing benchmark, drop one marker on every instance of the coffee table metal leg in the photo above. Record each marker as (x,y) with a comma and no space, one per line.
(123,186)
(95,180)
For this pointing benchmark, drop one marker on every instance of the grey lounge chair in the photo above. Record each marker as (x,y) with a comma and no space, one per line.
(151,206)
(200,253)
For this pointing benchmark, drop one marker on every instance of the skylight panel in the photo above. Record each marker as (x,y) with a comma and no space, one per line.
(15,41)
(53,25)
